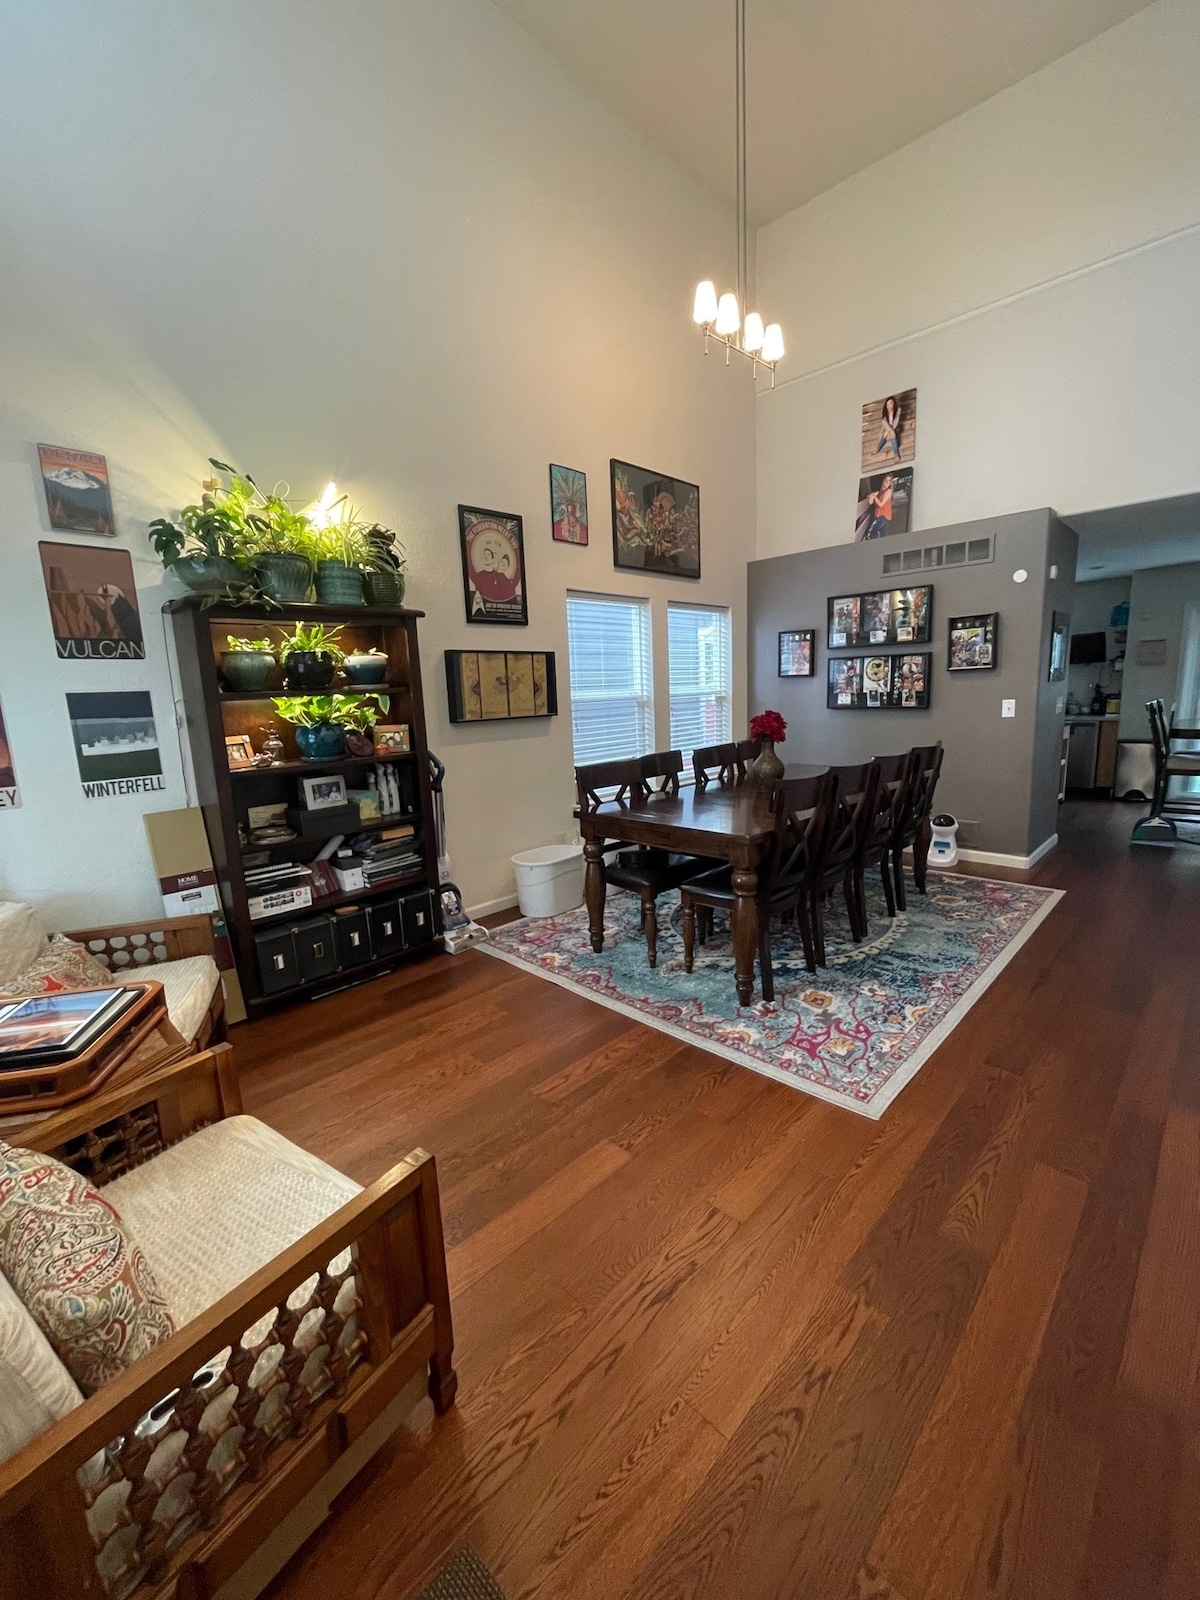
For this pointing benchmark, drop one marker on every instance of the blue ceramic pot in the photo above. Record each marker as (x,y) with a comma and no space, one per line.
(338,584)
(325,742)
(366,669)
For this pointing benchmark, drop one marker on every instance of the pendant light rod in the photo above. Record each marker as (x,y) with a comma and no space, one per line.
(743,286)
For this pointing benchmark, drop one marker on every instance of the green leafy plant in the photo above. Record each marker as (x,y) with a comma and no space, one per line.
(384,552)
(344,541)
(343,710)
(373,651)
(250,646)
(313,637)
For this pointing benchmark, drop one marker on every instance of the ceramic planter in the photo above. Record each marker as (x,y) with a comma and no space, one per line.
(384,588)
(207,574)
(366,669)
(325,742)
(247,669)
(309,669)
(338,584)
(283,576)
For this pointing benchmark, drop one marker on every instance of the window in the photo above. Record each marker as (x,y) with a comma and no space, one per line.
(698,649)
(612,698)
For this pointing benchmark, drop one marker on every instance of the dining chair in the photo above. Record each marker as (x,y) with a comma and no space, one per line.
(913,826)
(1170,764)
(661,770)
(895,779)
(801,819)
(646,872)
(853,808)
(722,763)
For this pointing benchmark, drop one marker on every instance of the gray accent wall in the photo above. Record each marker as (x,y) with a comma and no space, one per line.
(1000,775)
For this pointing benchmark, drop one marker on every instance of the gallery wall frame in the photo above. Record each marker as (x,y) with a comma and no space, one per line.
(78,494)
(492,544)
(972,643)
(656,521)
(797,652)
(500,685)
(889,431)
(880,617)
(568,505)
(93,602)
(879,683)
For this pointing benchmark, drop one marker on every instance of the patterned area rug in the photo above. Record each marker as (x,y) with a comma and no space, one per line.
(464,1577)
(855,1034)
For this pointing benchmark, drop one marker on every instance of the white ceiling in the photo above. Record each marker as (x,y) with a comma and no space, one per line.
(1124,539)
(832,85)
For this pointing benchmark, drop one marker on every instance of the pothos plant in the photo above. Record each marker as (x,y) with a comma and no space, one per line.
(313,638)
(358,711)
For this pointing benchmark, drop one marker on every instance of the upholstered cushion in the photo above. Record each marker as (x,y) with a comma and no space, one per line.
(22,939)
(61,964)
(80,1273)
(188,987)
(35,1388)
(213,1209)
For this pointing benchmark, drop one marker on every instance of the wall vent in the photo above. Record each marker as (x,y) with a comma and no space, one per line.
(926,558)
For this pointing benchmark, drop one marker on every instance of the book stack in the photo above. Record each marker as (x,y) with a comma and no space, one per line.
(284,886)
(393,852)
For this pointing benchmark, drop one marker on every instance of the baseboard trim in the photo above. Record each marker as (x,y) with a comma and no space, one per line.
(994,858)
(485,908)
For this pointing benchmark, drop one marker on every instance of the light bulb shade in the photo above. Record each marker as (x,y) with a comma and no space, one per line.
(728,317)
(772,345)
(752,332)
(704,308)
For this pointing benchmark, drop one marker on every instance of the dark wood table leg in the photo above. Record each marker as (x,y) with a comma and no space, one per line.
(593,890)
(745,932)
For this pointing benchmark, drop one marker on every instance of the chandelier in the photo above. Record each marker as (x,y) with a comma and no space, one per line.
(724,318)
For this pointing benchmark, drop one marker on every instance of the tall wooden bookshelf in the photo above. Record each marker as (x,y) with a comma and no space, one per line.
(215,712)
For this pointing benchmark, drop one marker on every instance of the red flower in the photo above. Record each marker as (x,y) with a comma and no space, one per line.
(768,725)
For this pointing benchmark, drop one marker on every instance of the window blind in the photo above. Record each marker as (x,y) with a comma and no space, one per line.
(612,697)
(699,659)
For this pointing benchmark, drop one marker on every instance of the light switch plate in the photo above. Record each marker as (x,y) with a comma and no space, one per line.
(1060,705)
(1008,708)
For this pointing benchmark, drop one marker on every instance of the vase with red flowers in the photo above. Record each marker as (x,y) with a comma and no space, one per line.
(769,728)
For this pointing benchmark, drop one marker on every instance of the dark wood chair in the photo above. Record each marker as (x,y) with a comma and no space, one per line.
(644,872)
(853,810)
(802,811)
(895,787)
(661,771)
(721,763)
(913,825)
(1170,763)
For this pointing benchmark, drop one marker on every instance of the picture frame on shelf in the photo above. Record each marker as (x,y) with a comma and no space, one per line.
(325,793)
(656,521)
(392,740)
(239,751)
(492,544)
(797,652)
(972,642)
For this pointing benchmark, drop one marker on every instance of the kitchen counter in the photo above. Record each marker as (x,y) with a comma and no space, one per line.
(1088,716)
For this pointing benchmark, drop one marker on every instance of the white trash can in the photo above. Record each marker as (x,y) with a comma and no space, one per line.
(550,879)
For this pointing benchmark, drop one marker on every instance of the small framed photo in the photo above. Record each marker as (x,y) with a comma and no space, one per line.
(568,505)
(392,739)
(797,648)
(972,643)
(1060,636)
(323,794)
(239,751)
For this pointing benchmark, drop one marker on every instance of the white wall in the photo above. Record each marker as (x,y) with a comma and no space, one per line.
(384,242)
(1031,267)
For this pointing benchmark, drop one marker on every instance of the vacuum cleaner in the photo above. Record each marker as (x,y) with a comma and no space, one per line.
(458,930)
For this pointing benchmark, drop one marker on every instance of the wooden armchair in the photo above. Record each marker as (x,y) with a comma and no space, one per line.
(166,1480)
(141,946)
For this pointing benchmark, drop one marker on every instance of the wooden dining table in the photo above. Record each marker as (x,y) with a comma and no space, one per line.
(733,823)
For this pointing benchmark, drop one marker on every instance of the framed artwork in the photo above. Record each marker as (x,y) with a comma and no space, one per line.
(568,505)
(78,499)
(500,685)
(394,739)
(845,612)
(972,643)
(889,431)
(885,616)
(239,752)
(10,793)
(493,563)
(116,743)
(656,521)
(93,602)
(1060,638)
(884,504)
(797,652)
(878,683)
(323,794)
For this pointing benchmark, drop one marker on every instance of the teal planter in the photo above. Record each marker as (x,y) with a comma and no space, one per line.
(283,577)
(325,742)
(366,669)
(207,574)
(247,670)
(384,588)
(338,584)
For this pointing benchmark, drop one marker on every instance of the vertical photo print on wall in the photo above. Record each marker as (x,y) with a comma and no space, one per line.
(10,793)
(889,431)
(116,743)
(493,564)
(93,602)
(884,504)
(78,498)
(568,505)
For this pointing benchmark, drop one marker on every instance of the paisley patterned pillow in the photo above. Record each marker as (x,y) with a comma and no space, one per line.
(82,1278)
(62,964)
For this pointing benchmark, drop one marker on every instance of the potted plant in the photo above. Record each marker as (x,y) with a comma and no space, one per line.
(248,664)
(318,736)
(366,666)
(357,714)
(311,655)
(340,550)
(208,548)
(281,558)
(769,728)
(383,568)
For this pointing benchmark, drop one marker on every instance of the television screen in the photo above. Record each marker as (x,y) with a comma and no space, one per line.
(1089,648)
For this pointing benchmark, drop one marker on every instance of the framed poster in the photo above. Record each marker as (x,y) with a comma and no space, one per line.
(116,743)
(910,681)
(885,616)
(845,612)
(1060,637)
(972,643)
(93,602)
(493,563)
(78,499)
(568,505)
(884,504)
(10,793)
(845,682)
(500,685)
(878,683)
(889,431)
(797,652)
(656,521)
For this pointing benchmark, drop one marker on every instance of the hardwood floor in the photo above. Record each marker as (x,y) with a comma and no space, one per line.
(717,1339)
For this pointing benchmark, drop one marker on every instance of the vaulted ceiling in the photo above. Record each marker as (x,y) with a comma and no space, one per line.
(833,85)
